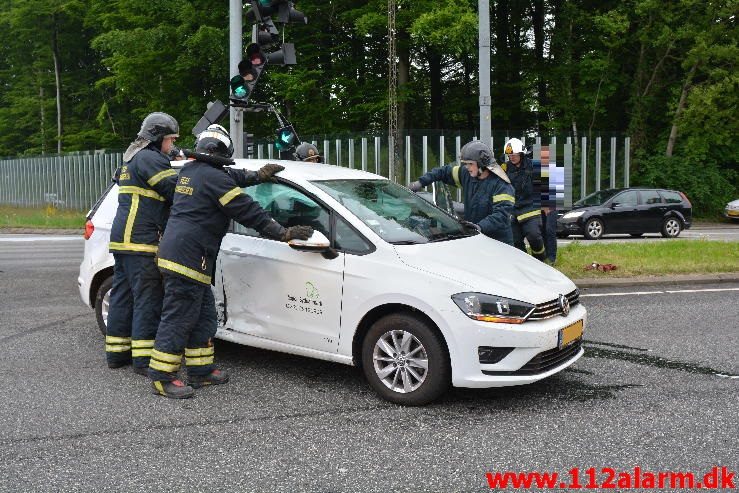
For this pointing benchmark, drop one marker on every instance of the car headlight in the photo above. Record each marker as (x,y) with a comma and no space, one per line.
(491,308)
(573,215)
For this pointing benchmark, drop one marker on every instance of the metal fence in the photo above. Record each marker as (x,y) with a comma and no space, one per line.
(76,181)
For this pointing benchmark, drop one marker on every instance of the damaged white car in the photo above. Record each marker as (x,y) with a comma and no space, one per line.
(389,282)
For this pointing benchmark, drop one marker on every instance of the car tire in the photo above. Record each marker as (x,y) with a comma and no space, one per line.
(397,377)
(593,229)
(672,227)
(636,235)
(102,303)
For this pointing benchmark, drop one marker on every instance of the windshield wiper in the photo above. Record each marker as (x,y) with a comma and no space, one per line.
(449,236)
(405,242)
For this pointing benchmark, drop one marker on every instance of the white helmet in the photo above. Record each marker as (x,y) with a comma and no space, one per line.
(513,146)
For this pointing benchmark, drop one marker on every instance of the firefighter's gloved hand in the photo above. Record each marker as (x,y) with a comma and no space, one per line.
(415,186)
(267,171)
(472,225)
(297,233)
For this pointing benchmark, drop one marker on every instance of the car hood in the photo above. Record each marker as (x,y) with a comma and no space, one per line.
(480,264)
(733,203)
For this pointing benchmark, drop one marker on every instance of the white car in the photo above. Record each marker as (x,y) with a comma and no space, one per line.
(731,211)
(389,282)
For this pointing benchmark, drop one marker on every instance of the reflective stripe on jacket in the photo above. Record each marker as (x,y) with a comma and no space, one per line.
(146,186)
(206,198)
(487,203)
(526,182)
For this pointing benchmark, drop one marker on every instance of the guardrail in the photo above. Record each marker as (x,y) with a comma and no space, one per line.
(75,181)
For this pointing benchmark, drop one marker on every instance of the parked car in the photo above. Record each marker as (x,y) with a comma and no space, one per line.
(731,211)
(632,211)
(389,282)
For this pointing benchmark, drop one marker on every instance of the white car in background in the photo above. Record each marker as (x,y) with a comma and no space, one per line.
(731,211)
(389,282)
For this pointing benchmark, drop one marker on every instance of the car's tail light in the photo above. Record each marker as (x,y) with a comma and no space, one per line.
(685,198)
(89,229)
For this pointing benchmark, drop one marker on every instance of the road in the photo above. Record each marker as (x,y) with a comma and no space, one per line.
(657,389)
(713,232)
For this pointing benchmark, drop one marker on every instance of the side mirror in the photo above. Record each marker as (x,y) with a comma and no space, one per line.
(316,243)
(614,204)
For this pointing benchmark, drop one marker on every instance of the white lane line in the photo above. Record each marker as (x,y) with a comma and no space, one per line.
(707,290)
(15,239)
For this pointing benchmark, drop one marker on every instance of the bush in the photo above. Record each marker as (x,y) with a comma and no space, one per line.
(708,185)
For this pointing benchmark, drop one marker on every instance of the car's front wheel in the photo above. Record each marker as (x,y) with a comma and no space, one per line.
(594,229)
(102,304)
(671,227)
(405,361)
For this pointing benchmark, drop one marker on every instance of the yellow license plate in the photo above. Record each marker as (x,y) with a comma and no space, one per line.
(733,213)
(570,334)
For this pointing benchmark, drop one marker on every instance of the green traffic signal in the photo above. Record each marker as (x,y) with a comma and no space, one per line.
(238,86)
(286,138)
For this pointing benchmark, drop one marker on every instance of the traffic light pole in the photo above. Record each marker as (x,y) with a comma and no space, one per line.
(234,57)
(484,68)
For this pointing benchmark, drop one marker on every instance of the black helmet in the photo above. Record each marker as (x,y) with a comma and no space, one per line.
(215,140)
(158,125)
(308,152)
(477,151)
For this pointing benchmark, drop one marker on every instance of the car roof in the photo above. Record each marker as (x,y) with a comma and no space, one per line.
(297,171)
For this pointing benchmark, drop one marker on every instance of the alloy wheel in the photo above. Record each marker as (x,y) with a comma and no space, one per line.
(400,361)
(672,226)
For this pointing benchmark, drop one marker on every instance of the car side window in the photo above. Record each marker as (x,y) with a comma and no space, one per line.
(288,206)
(672,197)
(349,240)
(650,197)
(628,198)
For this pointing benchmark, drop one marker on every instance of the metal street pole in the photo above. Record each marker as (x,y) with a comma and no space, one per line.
(484,68)
(234,57)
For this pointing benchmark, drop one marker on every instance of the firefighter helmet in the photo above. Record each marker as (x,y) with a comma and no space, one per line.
(308,152)
(513,146)
(214,140)
(477,151)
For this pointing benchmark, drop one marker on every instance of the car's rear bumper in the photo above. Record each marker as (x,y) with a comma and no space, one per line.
(535,353)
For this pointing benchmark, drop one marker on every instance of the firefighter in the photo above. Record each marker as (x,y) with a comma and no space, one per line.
(307,152)
(146,187)
(207,197)
(526,220)
(488,194)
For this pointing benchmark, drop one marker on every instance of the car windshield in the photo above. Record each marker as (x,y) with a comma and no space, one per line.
(597,198)
(397,215)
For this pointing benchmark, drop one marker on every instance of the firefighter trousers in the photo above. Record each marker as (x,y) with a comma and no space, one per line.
(135,307)
(188,324)
(531,231)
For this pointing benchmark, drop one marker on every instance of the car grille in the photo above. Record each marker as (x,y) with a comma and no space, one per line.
(551,308)
(543,362)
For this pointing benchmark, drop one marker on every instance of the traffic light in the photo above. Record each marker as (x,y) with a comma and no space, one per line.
(216,112)
(287,139)
(264,9)
(250,68)
(248,145)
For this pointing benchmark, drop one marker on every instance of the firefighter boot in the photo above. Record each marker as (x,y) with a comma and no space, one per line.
(216,377)
(175,389)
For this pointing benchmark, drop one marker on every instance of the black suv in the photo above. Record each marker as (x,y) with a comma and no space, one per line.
(633,211)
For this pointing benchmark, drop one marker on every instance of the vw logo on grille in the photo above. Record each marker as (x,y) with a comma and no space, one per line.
(564,305)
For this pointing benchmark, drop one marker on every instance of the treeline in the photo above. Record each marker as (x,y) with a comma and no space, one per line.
(81,74)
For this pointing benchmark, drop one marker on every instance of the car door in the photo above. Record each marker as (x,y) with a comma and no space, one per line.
(273,291)
(621,214)
(650,213)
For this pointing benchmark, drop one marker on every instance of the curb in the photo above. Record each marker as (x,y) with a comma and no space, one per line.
(717,278)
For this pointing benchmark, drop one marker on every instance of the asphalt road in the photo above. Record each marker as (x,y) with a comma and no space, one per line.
(654,390)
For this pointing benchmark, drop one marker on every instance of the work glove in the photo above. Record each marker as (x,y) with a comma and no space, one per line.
(267,172)
(415,186)
(297,232)
(472,225)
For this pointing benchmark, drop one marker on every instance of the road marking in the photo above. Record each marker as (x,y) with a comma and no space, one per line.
(26,238)
(707,290)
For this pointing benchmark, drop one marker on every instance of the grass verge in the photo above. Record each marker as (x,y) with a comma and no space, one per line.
(649,258)
(42,217)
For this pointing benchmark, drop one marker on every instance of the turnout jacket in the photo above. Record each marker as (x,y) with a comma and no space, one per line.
(527,184)
(487,203)
(146,187)
(206,198)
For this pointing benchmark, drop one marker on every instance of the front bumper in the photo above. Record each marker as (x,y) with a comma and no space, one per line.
(573,227)
(731,214)
(530,340)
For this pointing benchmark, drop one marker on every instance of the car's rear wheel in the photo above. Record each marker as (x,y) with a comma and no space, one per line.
(405,361)
(594,229)
(671,227)
(102,304)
